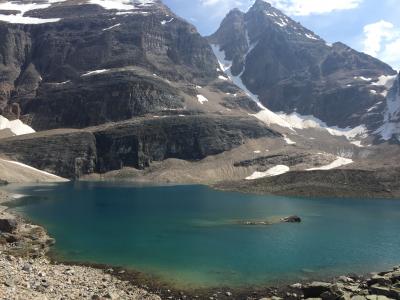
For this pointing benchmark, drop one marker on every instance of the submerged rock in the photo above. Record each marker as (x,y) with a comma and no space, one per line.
(291,219)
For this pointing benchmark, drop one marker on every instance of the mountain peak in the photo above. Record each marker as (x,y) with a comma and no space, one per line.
(261,4)
(269,17)
(234,12)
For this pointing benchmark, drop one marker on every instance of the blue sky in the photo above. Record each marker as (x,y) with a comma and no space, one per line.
(372,26)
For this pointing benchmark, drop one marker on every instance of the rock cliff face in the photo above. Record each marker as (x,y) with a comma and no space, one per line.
(292,69)
(67,154)
(101,98)
(135,143)
(71,72)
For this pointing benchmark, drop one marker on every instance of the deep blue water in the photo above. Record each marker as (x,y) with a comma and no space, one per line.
(187,235)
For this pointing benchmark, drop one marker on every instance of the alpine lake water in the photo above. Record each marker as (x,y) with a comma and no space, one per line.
(191,236)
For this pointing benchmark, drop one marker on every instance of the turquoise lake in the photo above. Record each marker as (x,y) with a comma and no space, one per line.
(188,236)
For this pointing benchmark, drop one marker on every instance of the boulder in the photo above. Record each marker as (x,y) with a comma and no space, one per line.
(395,276)
(316,289)
(379,279)
(10,238)
(393,293)
(8,224)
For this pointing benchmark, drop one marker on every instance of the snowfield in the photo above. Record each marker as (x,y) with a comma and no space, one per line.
(22,8)
(339,162)
(122,4)
(274,171)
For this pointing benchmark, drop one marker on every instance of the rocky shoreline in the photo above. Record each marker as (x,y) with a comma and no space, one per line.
(27,272)
(347,183)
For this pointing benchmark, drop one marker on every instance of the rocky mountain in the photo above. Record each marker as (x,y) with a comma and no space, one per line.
(77,64)
(127,89)
(290,69)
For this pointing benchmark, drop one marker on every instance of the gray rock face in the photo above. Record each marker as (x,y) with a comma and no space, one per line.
(67,154)
(294,70)
(101,98)
(273,160)
(134,143)
(41,66)
(137,143)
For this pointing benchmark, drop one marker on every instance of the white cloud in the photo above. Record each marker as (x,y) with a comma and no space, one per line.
(382,40)
(308,7)
(291,7)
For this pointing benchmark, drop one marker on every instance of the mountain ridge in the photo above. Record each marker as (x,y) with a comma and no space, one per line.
(291,69)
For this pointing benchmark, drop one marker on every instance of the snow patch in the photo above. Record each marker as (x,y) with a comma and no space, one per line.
(339,162)
(113,4)
(288,141)
(280,22)
(374,107)
(298,121)
(122,4)
(165,21)
(274,171)
(362,78)
(94,72)
(62,83)
(201,99)
(312,37)
(22,8)
(17,127)
(358,144)
(111,27)
(385,80)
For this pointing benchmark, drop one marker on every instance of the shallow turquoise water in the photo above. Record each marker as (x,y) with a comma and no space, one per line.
(187,235)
